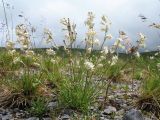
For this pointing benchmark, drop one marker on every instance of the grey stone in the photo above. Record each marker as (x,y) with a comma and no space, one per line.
(47,118)
(65,117)
(7,117)
(4,113)
(110,110)
(133,114)
(15,110)
(52,105)
(33,118)
(102,118)
(1,110)
(118,117)
(18,114)
(67,112)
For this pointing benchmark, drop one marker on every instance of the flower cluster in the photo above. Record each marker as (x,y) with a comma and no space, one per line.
(10,44)
(22,33)
(106,23)
(50,51)
(29,53)
(105,50)
(71,34)
(89,65)
(158,66)
(141,40)
(89,22)
(12,52)
(48,36)
(114,60)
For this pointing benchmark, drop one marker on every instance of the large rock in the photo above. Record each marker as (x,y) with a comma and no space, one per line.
(133,114)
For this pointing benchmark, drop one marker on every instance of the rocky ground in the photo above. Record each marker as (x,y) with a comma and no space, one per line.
(120,107)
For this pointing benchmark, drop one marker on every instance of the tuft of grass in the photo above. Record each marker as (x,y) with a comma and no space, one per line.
(77,95)
(38,107)
(30,83)
(150,97)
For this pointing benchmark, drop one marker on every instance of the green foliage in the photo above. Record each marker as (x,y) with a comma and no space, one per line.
(5,60)
(78,94)
(152,85)
(47,65)
(114,71)
(30,83)
(150,97)
(38,107)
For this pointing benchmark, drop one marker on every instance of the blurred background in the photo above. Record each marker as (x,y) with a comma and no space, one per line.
(130,16)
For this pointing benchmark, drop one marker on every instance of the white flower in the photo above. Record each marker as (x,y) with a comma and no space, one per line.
(29,53)
(16,60)
(91,32)
(156,54)
(24,46)
(89,50)
(156,25)
(36,64)
(96,42)
(89,65)
(89,22)
(88,42)
(102,58)
(48,35)
(141,36)
(100,65)
(112,63)
(113,60)
(109,37)
(50,52)
(105,50)
(53,61)
(12,52)
(142,40)
(93,42)
(10,45)
(106,23)
(137,54)
(112,50)
(158,66)
(151,57)
(23,36)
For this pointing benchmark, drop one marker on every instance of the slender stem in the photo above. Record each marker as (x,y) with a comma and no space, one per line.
(12,25)
(5,15)
(104,39)
(85,86)
(107,89)
(133,66)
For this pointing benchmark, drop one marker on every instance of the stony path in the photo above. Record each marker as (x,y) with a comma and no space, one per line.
(121,107)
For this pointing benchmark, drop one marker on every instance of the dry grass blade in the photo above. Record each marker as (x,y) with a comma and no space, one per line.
(11,99)
(150,104)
